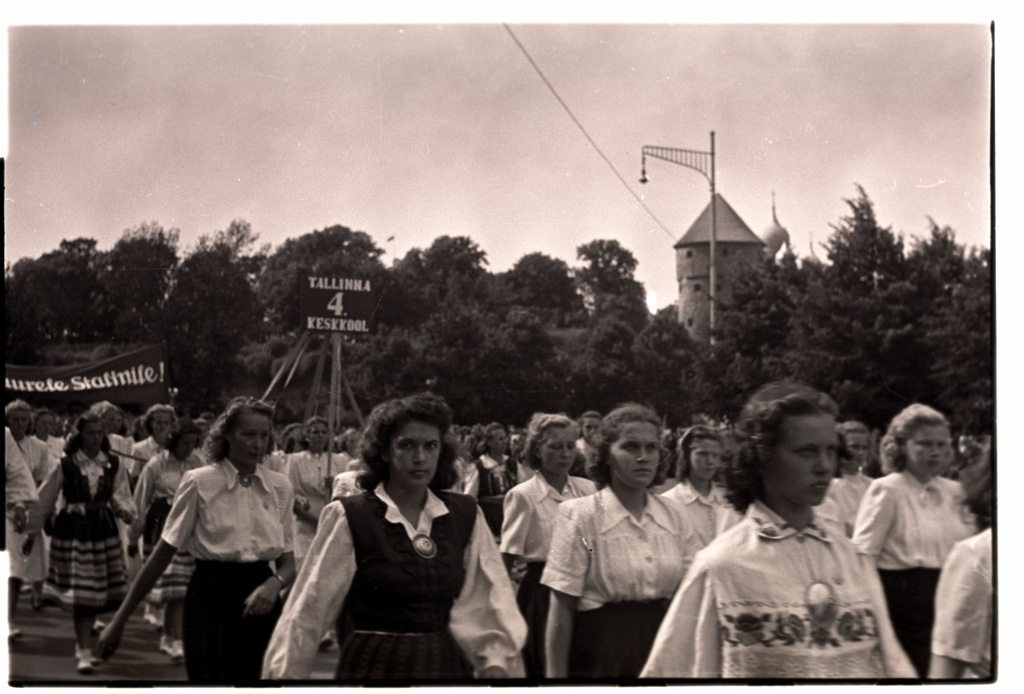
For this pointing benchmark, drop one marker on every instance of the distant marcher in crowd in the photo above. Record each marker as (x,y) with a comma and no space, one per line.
(587,443)
(415,567)
(962,635)
(26,566)
(44,425)
(908,522)
(20,494)
(531,511)
(779,595)
(158,484)
(311,471)
(235,517)
(490,476)
(116,429)
(617,556)
(87,570)
(850,483)
(159,423)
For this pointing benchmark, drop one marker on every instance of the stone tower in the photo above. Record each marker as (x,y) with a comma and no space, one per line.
(735,245)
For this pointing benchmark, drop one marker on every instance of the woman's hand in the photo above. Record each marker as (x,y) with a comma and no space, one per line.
(20,519)
(110,639)
(261,601)
(125,516)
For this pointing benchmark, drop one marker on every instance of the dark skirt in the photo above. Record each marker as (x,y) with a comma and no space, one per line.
(910,597)
(493,508)
(534,599)
(384,656)
(87,568)
(615,639)
(156,518)
(222,646)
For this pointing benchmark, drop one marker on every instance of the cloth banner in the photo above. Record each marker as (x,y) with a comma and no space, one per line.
(133,377)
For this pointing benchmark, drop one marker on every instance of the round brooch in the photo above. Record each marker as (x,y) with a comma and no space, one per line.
(424,546)
(245,480)
(820,600)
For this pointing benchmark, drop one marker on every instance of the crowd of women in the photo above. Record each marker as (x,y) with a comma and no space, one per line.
(604,547)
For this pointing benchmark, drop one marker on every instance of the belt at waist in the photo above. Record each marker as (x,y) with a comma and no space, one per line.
(81,507)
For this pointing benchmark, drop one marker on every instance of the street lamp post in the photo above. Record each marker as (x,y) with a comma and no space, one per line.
(704,163)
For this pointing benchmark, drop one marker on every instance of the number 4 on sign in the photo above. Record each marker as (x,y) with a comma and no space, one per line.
(335,306)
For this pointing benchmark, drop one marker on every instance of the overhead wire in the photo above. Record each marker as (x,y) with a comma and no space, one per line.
(583,130)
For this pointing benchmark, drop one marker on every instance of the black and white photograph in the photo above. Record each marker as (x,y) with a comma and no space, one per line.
(471,347)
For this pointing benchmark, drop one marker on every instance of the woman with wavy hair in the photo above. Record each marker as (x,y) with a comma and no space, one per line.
(235,517)
(87,568)
(780,594)
(410,571)
(909,520)
(531,511)
(617,556)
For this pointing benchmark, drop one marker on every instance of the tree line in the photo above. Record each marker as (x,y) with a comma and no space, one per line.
(876,323)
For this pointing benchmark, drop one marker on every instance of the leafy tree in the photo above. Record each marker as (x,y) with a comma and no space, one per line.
(663,357)
(24,331)
(212,312)
(136,276)
(544,287)
(606,282)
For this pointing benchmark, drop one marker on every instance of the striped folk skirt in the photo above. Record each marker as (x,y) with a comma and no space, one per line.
(86,560)
(614,640)
(173,584)
(372,655)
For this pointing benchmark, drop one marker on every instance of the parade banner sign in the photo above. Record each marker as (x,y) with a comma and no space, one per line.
(134,377)
(337,304)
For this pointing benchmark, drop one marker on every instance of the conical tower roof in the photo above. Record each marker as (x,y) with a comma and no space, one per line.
(729,227)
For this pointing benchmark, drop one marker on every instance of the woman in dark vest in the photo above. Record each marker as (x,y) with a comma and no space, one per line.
(412,569)
(87,572)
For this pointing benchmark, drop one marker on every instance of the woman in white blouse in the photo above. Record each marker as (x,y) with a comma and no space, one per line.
(531,511)
(235,517)
(616,556)
(962,636)
(780,594)
(312,471)
(158,422)
(700,454)
(424,591)
(908,522)
(850,483)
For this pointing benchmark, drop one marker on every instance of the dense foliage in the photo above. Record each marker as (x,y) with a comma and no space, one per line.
(876,324)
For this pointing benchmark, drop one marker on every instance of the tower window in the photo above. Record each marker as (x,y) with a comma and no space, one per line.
(725,252)
(689,322)
(689,254)
(696,288)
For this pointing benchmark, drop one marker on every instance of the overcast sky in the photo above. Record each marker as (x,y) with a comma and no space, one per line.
(418,130)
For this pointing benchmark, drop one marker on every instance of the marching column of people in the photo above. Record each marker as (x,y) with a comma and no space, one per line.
(767,553)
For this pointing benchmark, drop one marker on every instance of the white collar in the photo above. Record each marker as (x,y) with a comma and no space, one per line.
(544,488)
(614,512)
(433,508)
(232,474)
(101,459)
(490,463)
(771,525)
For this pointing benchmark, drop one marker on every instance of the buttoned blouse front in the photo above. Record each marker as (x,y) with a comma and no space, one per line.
(531,509)
(601,553)
(216,517)
(767,600)
(909,525)
(847,491)
(710,515)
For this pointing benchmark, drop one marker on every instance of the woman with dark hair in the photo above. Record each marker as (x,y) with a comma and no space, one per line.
(87,570)
(779,595)
(531,509)
(157,486)
(962,635)
(617,556)
(415,568)
(235,517)
(699,456)
(908,522)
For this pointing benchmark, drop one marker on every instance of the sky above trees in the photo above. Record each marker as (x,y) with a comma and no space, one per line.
(420,130)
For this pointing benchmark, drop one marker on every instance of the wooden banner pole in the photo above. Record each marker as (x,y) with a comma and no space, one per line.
(318,380)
